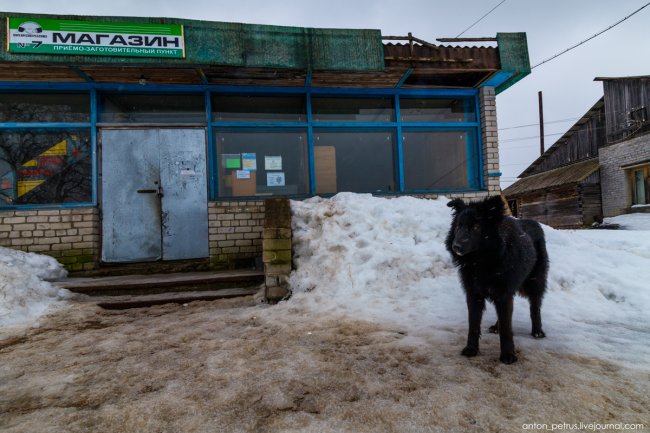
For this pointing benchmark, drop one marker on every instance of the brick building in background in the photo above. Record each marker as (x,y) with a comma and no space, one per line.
(599,168)
(156,140)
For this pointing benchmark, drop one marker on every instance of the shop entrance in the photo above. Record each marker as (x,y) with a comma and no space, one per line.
(154,194)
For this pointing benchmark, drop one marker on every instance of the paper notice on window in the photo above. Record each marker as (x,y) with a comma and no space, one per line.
(275,179)
(232,161)
(249,161)
(273,163)
(243,174)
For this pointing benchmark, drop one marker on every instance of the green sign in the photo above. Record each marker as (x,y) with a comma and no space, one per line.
(88,38)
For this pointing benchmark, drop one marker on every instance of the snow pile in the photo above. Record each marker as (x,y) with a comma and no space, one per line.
(633,221)
(24,295)
(384,260)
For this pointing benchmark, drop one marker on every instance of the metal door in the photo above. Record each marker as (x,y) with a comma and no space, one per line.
(154,195)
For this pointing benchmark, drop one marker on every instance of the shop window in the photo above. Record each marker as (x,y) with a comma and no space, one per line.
(356,161)
(640,185)
(45,167)
(44,107)
(242,108)
(331,109)
(435,160)
(262,162)
(152,108)
(437,110)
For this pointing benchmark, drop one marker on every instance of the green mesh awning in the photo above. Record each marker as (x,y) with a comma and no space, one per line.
(234,44)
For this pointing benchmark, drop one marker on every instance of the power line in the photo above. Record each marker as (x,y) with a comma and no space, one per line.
(477,21)
(506,140)
(537,124)
(591,37)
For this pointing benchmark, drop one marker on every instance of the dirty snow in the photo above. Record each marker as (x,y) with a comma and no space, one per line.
(633,221)
(370,342)
(385,261)
(24,293)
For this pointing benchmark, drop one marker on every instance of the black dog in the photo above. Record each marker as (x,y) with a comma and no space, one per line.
(497,256)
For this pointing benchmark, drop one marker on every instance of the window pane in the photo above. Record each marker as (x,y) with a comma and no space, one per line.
(45,167)
(435,160)
(44,107)
(262,162)
(353,109)
(437,110)
(356,161)
(178,108)
(240,108)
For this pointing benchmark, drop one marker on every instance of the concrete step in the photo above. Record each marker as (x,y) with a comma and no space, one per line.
(128,301)
(152,284)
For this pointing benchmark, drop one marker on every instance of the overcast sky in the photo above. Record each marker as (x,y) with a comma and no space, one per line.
(552,25)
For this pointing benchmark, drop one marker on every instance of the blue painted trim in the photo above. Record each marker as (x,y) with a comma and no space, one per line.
(213,187)
(259,124)
(45,206)
(179,88)
(497,79)
(42,125)
(93,143)
(310,146)
(400,149)
(473,129)
(401,81)
(479,145)
(495,174)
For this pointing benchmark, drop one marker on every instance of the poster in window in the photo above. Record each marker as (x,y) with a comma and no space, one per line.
(275,179)
(232,161)
(273,163)
(249,161)
(243,174)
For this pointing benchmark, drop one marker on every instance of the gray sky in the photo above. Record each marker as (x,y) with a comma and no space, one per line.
(551,25)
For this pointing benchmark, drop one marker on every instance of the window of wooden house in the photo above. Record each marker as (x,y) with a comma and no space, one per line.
(640,180)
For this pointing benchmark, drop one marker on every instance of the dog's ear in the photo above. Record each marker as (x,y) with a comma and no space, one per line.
(493,207)
(457,205)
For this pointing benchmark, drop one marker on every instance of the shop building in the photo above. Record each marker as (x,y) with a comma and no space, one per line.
(156,140)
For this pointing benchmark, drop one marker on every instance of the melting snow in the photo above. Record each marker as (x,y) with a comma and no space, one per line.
(384,260)
(24,295)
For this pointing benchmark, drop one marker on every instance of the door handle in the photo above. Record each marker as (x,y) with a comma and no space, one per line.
(146,191)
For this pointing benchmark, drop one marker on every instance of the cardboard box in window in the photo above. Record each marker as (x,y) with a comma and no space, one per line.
(325,169)
(243,187)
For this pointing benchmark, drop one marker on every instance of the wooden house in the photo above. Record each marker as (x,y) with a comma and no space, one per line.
(599,168)
(561,188)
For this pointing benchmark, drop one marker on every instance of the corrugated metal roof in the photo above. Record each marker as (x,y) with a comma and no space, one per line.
(568,174)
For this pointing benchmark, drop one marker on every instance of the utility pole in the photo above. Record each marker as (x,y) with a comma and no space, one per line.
(541,123)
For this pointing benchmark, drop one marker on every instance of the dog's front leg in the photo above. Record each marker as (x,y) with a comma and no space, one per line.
(475,307)
(504,314)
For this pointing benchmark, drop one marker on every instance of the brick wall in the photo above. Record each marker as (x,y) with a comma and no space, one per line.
(70,235)
(490,139)
(235,232)
(615,186)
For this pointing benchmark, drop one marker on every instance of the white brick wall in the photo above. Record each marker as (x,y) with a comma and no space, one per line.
(615,186)
(490,139)
(235,230)
(70,235)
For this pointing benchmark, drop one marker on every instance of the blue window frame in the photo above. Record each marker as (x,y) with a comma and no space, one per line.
(47,148)
(453,110)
